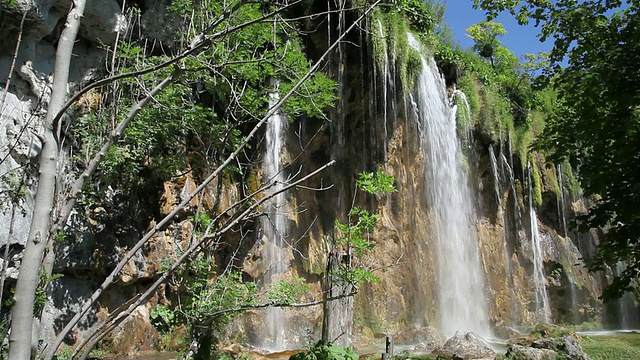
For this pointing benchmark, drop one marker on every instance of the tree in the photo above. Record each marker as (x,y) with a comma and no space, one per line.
(485,35)
(226,52)
(22,312)
(596,122)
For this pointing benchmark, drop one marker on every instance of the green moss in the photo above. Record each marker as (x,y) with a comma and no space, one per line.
(379,39)
(411,68)
(464,119)
(470,86)
(550,177)
(390,43)
(551,331)
(523,137)
(495,119)
(537,182)
(569,178)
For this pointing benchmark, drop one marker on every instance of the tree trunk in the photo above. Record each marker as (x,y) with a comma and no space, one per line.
(28,279)
(337,322)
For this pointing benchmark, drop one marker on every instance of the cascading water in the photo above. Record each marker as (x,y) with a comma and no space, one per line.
(460,276)
(496,176)
(274,224)
(627,310)
(386,82)
(543,310)
(562,205)
(338,313)
(562,212)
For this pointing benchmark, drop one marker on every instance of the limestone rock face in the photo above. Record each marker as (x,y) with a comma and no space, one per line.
(135,334)
(372,129)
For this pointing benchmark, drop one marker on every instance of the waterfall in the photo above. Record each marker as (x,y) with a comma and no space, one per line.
(562,204)
(386,81)
(543,309)
(496,176)
(461,280)
(274,224)
(562,213)
(627,309)
(463,114)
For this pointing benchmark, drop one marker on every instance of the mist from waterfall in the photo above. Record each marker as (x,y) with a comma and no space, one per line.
(463,304)
(274,224)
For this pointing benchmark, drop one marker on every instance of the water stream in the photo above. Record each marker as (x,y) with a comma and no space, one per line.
(562,204)
(496,176)
(543,309)
(461,281)
(274,225)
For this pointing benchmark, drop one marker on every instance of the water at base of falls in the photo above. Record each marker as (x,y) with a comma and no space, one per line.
(463,304)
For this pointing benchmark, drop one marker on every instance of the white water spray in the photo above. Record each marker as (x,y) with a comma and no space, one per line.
(463,304)
(496,176)
(274,224)
(386,81)
(543,309)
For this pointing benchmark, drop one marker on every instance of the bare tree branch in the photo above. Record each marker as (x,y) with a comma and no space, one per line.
(185,256)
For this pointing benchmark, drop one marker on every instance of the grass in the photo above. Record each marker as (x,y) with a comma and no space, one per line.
(624,346)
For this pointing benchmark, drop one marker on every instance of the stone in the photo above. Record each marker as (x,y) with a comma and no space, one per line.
(519,352)
(135,333)
(465,346)
(566,346)
(426,338)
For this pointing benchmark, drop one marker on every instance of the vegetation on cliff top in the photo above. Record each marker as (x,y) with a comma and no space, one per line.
(595,123)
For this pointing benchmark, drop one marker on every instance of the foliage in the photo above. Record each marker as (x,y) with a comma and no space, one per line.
(485,35)
(550,331)
(287,292)
(423,16)
(390,43)
(206,298)
(377,183)
(198,120)
(326,351)
(596,122)
(354,236)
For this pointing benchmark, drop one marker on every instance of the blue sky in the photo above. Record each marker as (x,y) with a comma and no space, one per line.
(519,39)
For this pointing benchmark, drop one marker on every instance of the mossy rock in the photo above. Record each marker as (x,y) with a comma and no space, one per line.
(542,331)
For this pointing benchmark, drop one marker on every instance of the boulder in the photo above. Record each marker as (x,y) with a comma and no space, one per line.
(465,346)
(567,346)
(519,352)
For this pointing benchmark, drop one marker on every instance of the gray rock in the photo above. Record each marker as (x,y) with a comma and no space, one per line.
(567,346)
(519,352)
(465,345)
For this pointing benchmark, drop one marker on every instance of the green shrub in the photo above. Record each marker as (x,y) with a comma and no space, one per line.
(323,350)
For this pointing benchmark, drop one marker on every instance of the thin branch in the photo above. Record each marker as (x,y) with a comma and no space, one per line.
(13,61)
(202,42)
(78,185)
(101,332)
(278,305)
(169,218)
